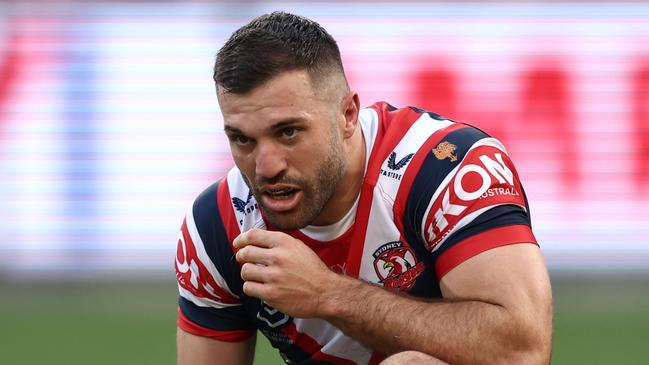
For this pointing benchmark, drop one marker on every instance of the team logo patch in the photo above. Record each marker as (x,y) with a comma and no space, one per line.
(445,150)
(396,266)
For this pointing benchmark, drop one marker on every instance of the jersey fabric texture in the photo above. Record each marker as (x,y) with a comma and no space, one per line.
(435,193)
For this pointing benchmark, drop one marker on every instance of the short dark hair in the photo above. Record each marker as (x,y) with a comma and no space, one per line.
(271,44)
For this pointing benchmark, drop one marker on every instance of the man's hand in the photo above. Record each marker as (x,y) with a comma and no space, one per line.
(283,272)
(498,306)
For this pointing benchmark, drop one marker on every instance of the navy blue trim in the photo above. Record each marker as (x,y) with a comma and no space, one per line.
(215,239)
(212,232)
(429,177)
(225,319)
(431,174)
(527,207)
(430,114)
(500,216)
(390,107)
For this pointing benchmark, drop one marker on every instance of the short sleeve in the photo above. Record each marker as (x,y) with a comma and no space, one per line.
(208,304)
(468,198)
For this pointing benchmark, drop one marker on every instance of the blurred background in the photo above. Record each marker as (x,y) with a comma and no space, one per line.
(109,127)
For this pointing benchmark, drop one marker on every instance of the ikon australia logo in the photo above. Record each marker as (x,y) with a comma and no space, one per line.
(395,165)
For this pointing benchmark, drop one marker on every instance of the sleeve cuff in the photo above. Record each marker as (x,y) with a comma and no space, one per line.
(195,329)
(471,246)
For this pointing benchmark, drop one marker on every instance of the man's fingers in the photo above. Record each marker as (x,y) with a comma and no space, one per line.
(254,272)
(255,255)
(256,237)
(254,289)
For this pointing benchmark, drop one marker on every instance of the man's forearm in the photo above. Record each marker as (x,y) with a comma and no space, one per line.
(500,310)
(459,332)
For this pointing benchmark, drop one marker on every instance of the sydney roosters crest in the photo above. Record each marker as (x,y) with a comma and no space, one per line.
(396,265)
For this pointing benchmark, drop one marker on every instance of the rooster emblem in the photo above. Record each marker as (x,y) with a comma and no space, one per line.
(395,262)
(396,266)
(445,150)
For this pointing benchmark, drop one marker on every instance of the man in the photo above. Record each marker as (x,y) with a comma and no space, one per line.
(346,235)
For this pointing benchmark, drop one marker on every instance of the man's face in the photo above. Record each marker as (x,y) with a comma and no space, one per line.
(285,138)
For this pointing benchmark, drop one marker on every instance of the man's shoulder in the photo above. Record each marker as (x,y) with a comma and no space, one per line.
(229,192)
(211,226)
(413,126)
(229,205)
(210,206)
(402,132)
(389,114)
(206,201)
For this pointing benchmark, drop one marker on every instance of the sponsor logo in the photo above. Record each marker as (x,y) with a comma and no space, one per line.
(240,205)
(187,270)
(394,165)
(445,150)
(244,206)
(396,266)
(192,274)
(391,174)
(472,182)
(500,191)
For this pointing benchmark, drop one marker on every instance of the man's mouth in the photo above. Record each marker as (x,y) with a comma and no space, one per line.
(284,193)
(281,198)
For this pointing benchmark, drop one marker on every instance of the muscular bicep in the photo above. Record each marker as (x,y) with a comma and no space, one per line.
(197,350)
(513,277)
(503,274)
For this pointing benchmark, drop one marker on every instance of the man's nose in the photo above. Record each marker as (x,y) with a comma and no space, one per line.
(270,161)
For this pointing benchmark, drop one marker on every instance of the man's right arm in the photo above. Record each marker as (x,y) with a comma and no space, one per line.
(213,326)
(197,350)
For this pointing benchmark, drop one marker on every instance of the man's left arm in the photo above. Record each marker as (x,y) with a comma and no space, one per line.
(497,307)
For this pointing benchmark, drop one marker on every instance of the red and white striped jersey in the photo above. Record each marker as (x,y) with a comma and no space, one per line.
(434,194)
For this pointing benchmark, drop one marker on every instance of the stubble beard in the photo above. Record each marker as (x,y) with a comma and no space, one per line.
(317,192)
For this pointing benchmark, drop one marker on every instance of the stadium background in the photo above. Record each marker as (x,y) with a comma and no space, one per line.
(109,127)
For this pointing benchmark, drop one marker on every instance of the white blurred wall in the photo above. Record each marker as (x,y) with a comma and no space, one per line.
(109,125)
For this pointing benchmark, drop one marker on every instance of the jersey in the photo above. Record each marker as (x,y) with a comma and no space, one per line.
(435,193)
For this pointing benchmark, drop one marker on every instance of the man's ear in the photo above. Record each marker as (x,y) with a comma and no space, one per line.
(350,108)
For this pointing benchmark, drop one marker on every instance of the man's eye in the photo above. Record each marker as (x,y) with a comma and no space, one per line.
(289,132)
(241,139)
